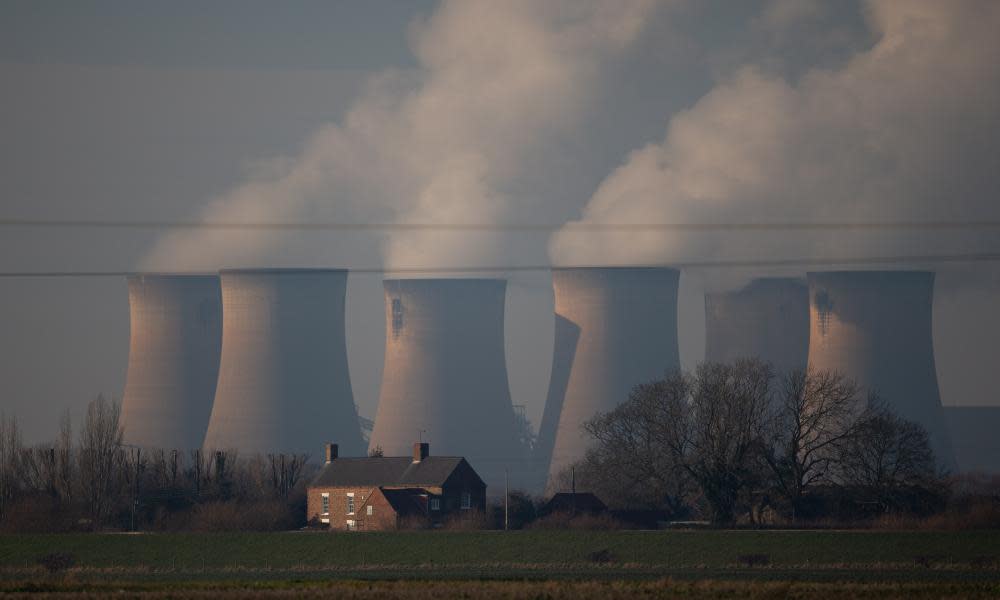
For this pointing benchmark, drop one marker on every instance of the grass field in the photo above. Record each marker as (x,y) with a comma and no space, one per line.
(521,563)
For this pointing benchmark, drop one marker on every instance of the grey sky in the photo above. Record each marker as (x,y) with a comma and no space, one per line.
(157,110)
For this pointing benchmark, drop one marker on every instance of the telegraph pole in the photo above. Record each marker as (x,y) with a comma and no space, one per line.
(506,500)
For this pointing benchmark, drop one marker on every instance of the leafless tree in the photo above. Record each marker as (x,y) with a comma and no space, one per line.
(727,424)
(636,458)
(101,457)
(286,471)
(814,415)
(886,455)
(11,454)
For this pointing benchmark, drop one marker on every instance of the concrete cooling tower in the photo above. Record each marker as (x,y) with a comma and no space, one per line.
(974,437)
(875,327)
(444,379)
(768,319)
(283,384)
(622,326)
(173,359)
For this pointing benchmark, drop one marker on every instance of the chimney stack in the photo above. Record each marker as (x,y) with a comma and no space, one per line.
(331,453)
(421,450)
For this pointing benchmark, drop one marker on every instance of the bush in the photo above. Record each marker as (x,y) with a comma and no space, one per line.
(265,515)
(581,521)
(468,520)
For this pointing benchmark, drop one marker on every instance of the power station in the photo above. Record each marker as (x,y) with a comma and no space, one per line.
(768,319)
(284,384)
(616,327)
(875,327)
(173,359)
(444,379)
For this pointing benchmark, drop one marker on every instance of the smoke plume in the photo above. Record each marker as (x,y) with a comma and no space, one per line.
(471,136)
(905,130)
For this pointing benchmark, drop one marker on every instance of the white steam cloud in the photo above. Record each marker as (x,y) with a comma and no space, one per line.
(906,130)
(465,139)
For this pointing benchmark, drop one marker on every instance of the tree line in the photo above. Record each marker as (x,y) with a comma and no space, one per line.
(737,441)
(92,480)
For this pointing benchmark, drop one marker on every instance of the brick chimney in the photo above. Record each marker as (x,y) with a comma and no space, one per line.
(331,453)
(421,450)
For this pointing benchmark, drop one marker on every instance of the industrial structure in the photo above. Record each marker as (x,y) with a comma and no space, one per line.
(616,327)
(974,437)
(444,379)
(768,319)
(173,360)
(283,384)
(875,327)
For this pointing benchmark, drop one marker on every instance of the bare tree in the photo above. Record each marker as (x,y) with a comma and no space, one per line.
(635,460)
(886,455)
(726,427)
(63,459)
(101,457)
(707,429)
(285,471)
(814,415)
(11,454)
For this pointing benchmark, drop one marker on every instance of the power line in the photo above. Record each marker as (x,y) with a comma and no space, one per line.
(580,227)
(708,264)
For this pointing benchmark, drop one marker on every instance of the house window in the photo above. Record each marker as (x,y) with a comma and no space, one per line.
(325,497)
(466,500)
(350,504)
(351,526)
(371,510)
(435,504)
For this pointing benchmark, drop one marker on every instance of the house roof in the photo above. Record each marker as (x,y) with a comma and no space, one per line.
(387,470)
(581,501)
(406,501)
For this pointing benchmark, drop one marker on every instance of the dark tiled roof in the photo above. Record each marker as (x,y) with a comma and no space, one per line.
(387,470)
(406,502)
(581,501)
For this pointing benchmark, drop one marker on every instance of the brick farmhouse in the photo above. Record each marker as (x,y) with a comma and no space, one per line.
(390,492)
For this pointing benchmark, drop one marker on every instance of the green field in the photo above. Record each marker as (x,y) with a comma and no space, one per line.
(529,552)
(517,564)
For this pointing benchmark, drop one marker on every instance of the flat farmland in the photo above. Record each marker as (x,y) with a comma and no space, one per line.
(516,564)
(528,551)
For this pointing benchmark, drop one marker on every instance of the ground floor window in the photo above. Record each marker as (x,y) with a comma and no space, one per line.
(466,500)
(435,504)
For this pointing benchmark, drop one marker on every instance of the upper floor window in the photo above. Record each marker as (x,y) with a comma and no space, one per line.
(371,510)
(466,500)
(325,498)
(435,504)
(350,504)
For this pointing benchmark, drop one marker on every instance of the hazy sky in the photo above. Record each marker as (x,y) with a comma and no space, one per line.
(524,112)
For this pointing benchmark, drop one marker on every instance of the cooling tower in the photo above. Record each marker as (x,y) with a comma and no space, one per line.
(283,379)
(173,359)
(444,379)
(768,319)
(875,327)
(973,431)
(626,320)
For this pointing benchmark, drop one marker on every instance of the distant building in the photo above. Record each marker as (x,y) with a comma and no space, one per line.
(574,503)
(388,492)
